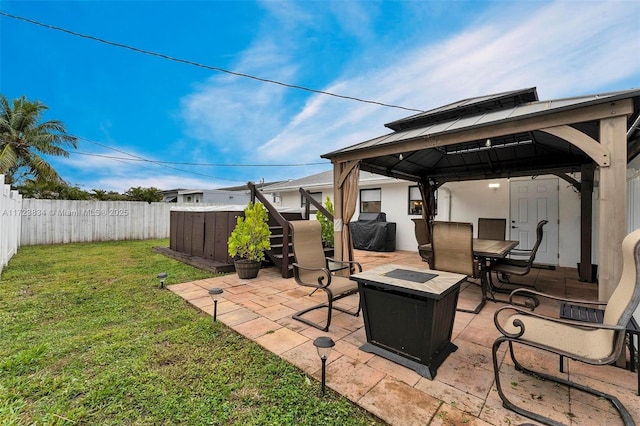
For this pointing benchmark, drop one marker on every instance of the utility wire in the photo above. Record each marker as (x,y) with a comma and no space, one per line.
(138,158)
(180,163)
(197,64)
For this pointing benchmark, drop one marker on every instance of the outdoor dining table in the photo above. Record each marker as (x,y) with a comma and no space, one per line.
(408,314)
(485,251)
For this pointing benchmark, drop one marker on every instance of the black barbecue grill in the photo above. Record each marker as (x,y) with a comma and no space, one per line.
(372,232)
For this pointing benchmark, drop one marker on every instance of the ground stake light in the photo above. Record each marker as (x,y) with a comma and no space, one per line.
(214,292)
(162,276)
(324,345)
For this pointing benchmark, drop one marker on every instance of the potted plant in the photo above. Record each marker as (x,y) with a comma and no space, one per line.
(326,224)
(249,240)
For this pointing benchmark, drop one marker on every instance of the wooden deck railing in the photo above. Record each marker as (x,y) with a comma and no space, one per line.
(310,200)
(280,220)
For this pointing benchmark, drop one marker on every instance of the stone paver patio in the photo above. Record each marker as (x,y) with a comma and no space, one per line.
(463,391)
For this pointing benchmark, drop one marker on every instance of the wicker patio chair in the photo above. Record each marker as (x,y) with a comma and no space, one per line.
(311,269)
(591,343)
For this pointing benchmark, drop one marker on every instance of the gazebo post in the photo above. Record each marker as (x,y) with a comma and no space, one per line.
(586,222)
(613,204)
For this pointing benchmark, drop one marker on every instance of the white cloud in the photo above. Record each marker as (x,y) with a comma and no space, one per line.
(121,184)
(355,17)
(230,106)
(561,49)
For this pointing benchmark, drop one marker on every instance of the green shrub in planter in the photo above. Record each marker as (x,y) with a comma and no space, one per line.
(326,224)
(250,238)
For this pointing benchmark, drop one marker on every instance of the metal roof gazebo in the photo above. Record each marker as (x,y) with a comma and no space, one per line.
(505,135)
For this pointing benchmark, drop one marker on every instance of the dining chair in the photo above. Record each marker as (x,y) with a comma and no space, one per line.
(453,252)
(590,343)
(311,269)
(504,268)
(492,228)
(422,237)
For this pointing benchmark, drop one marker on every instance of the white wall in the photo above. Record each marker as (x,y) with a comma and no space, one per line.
(473,199)
(470,200)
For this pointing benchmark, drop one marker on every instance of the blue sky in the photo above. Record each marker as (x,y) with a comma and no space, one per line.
(417,54)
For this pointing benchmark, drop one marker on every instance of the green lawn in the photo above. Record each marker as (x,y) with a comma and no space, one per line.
(87,337)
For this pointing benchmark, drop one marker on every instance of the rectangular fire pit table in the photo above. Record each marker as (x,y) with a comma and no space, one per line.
(408,315)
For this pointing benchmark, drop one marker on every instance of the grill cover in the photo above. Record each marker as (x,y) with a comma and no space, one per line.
(372,232)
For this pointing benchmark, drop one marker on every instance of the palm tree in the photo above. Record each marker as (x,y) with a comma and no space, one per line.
(23,138)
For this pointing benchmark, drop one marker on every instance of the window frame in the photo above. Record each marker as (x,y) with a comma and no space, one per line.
(411,200)
(379,201)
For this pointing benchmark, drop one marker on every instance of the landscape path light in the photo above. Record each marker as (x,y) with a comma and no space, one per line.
(162,276)
(214,292)
(324,345)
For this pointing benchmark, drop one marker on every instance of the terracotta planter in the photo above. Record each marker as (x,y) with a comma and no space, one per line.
(247,269)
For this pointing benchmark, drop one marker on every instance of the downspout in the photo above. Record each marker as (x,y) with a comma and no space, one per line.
(448,218)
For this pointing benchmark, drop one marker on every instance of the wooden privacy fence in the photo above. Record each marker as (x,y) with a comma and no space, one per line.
(70,221)
(10,208)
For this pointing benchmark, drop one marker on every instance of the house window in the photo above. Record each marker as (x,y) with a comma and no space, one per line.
(316,196)
(415,201)
(370,200)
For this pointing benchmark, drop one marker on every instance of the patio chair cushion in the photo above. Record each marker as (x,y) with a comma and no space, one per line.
(592,344)
(453,248)
(492,229)
(340,285)
(628,287)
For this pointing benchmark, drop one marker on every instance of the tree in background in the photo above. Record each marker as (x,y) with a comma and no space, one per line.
(149,195)
(102,195)
(52,190)
(24,137)
(61,190)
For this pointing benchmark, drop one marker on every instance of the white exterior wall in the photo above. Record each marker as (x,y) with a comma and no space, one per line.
(395,203)
(470,200)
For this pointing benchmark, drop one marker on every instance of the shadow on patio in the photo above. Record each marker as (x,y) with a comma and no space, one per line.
(463,391)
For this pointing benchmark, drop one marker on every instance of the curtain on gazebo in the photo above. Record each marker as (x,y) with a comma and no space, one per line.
(348,186)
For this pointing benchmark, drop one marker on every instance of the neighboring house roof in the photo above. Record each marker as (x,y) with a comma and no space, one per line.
(244,187)
(205,191)
(322,180)
(170,195)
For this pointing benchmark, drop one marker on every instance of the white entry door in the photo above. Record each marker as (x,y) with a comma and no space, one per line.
(532,201)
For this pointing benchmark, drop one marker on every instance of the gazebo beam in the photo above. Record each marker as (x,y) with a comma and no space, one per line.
(598,152)
(503,128)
